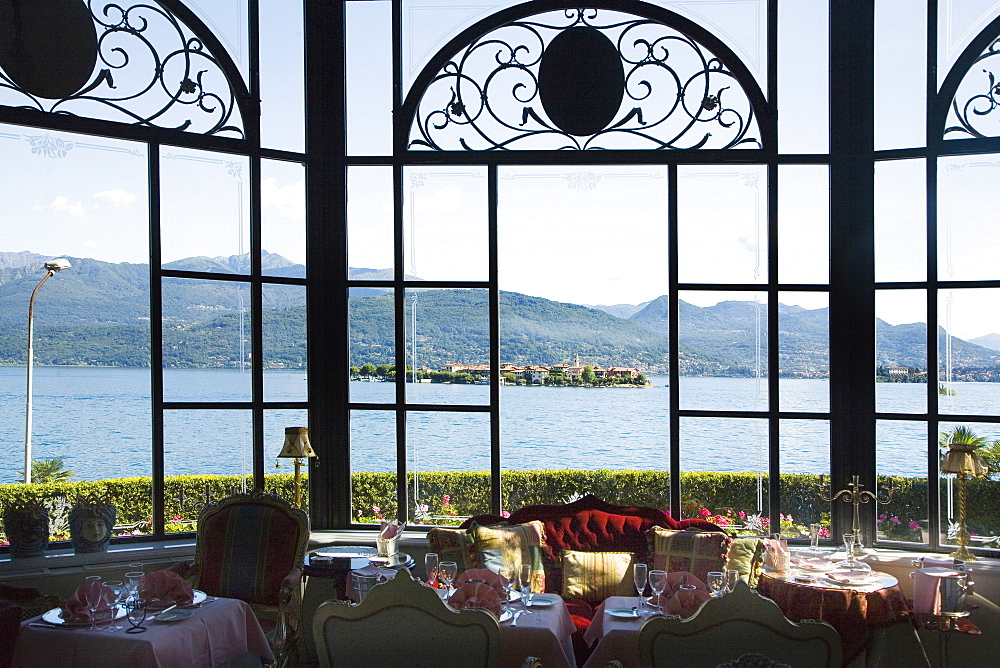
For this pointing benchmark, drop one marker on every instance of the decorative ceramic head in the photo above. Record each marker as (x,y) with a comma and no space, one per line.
(90,524)
(27,527)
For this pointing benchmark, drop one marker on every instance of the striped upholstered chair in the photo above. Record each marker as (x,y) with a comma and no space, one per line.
(252,547)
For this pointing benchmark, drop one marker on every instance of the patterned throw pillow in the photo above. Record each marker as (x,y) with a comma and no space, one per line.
(593,576)
(696,552)
(454,545)
(746,555)
(511,546)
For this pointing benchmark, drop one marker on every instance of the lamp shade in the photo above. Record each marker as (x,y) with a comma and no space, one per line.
(963,458)
(297,443)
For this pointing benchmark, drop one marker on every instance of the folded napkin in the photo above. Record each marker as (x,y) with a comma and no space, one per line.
(678,578)
(476,595)
(390,529)
(76,611)
(927,588)
(684,602)
(931,561)
(164,588)
(489,577)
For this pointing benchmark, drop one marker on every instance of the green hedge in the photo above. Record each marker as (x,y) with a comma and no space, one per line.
(469,494)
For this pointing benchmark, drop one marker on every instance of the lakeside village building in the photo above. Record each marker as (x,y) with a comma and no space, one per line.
(536,375)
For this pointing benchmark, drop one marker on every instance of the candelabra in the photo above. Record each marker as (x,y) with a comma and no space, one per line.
(855,495)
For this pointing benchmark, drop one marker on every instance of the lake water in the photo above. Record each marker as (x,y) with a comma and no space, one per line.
(97,419)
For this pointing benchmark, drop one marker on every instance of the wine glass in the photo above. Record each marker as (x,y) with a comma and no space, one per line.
(134,581)
(732,575)
(716,583)
(657,582)
(524,582)
(135,612)
(95,594)
(639,574)
(507,573)
(447,571)
(431,566)
(113,592)
(852,563)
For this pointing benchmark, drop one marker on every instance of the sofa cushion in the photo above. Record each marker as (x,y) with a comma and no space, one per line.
(593,576)
(746,555)
(697,552)
(454,545)
(512,545)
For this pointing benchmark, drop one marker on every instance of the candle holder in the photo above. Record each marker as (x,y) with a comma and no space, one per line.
(853,494)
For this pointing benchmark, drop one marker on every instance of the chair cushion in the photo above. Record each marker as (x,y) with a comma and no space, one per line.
(593,576)
(454,545)
(237,563)
(512,546)
(697,552)
(746,555)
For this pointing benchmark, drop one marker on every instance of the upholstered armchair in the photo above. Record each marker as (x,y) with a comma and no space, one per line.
(252,547)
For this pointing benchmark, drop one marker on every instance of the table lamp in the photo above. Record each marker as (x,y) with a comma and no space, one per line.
(963,460)
(296,447)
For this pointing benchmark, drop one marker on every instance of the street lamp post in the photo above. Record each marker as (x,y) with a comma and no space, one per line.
(51,267)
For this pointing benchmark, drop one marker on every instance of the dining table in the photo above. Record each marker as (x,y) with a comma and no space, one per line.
(544,630)
(214,633)
(615,632)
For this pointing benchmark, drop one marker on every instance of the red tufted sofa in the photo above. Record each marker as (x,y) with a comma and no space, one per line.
(590,525)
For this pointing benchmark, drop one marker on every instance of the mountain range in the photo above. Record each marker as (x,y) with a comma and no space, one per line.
(96,313)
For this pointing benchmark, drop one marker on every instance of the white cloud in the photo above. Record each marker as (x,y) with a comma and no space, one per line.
(90,243)
(116,197)
(62,205)
(287,200)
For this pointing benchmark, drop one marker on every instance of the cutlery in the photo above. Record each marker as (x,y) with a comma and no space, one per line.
(43,625)
(517,613)
(163,612)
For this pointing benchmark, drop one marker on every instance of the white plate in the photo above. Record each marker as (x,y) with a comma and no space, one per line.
(54,616)
(199,597)
(540,602)
(505,615)
(623,612)
(174,615)
(514,596)
(851,578)
(814,565)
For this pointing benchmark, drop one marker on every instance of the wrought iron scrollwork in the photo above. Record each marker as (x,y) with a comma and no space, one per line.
(677,94)
(151,70)
(978,115)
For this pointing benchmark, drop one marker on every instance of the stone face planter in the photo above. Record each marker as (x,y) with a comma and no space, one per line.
(90,523)
(27,529)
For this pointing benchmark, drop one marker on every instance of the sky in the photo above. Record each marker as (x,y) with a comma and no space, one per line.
(579,235)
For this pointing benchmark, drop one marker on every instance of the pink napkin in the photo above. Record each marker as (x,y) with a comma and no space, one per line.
(164,588)
(926,592)
(494,580)
(390,529)
(76,611)
(684,602)
(476,595)
(931,561)
(678,578)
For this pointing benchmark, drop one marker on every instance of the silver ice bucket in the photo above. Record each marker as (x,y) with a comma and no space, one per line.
(953,588)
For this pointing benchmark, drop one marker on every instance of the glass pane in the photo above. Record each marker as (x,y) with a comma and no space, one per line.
(981,519)
(724,463)
(282,76)
(284,342)
(228,22)
(900,220)
(900,351)
(564,212)
(213,443)
(804,351)
(723,351)
(967,244)
(804,77)
(444,213)
(283,219)
(373,466)
(900,73)
(447,346)
(448,457)
(560,434)
(280,478)
(368,47)
(969,351)
(804,224)
(373,346)
(959,21)
(805,455)
(901,456)
(206,340)
(214,235)
(369,225)
(722,226)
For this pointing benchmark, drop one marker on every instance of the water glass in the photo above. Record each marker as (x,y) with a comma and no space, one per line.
(732,575)
(526,574)
(814,537)
(639,576)
(134,581)
(447,571)
(94,591)
(657,582)
(716,580)
(507,573)
(113,592)
(431,566)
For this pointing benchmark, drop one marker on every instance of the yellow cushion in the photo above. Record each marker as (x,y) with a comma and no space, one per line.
(746,555)
(511,546)
(697,552)
(593,576)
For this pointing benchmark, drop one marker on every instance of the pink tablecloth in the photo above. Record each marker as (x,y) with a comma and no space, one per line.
(217,632)
(546,634)
(617,637)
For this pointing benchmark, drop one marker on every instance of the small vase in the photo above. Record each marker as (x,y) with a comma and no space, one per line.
(27,529)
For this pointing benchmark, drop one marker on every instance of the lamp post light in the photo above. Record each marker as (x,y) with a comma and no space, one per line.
(51,267)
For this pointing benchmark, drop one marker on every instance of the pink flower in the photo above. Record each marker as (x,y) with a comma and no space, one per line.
(175,518)
(705,512)
(743,515)
(504,513)
(445,500)
(824,532)
(894,520)
(914,524)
